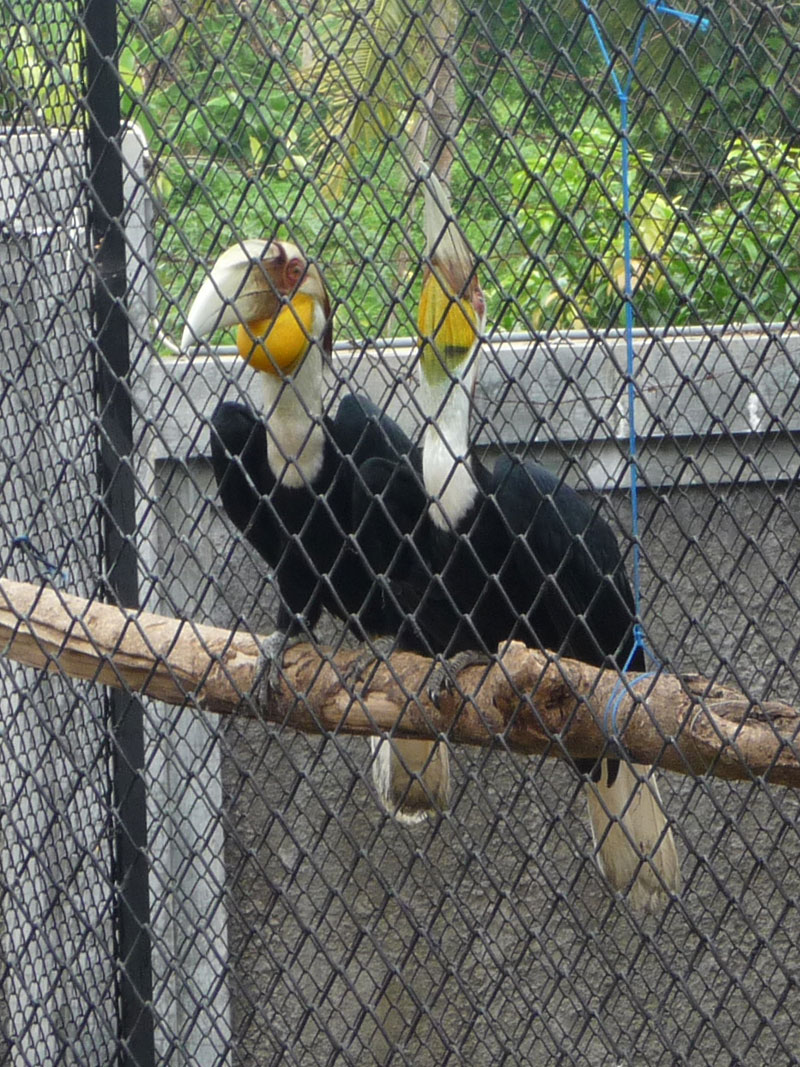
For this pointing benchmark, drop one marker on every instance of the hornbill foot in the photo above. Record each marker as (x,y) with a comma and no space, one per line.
(269,667)
(442,679)
(380,648)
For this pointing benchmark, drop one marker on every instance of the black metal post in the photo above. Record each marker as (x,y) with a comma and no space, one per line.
(117,489)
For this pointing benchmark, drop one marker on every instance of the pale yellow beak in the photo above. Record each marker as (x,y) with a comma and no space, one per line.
(240,289)
(452,309)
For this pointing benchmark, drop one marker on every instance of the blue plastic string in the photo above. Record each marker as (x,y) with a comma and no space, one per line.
(623,93)
(693,20)
(48,571)
(622,686)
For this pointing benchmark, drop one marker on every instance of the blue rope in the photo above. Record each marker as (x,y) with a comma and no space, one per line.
(48,571)
(693,20)
(623,94)
(622,687)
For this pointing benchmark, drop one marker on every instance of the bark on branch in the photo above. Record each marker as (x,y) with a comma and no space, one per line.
(534,703)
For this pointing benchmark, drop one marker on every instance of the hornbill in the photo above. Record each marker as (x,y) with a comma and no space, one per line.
(285,476)
(479,556)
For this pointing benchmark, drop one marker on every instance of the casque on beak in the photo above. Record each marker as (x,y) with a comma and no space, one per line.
(452,308)
(272,294)
(244,286)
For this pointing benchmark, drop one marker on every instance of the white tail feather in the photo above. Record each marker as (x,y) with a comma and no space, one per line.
(412,778)
(633,842)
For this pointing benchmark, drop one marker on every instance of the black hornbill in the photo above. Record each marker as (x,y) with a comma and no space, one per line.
(286,476)
(479,557)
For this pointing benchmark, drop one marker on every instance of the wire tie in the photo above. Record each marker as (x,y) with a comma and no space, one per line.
(621,687)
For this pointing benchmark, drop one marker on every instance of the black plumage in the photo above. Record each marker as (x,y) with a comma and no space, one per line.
(477,557)
(304,532)
(286,476)
(530,561)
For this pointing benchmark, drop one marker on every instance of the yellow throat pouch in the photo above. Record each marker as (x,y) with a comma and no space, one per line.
(447,328)
(276,345)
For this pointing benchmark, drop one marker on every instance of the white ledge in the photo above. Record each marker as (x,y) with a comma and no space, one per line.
(712,405)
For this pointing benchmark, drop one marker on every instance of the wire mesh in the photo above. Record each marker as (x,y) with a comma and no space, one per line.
(292,920)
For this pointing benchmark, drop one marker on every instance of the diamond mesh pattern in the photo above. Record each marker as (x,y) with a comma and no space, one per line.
(292,920)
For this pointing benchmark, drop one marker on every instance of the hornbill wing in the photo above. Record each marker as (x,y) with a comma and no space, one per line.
(412,778)
(365,432)
(590,604)
(244,480)
(358,433)
(389,508)
(568,564)
(261,511)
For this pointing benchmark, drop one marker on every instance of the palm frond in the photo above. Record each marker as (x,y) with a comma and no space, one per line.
(377,58)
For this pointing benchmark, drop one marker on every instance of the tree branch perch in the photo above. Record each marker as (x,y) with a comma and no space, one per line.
(535,703)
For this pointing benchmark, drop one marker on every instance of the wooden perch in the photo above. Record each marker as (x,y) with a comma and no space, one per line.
(535,703)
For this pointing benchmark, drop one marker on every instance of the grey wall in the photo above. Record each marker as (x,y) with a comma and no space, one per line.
(58,965)
(188,920)
(57,948)
(489,937)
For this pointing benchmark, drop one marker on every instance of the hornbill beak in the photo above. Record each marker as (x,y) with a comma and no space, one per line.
(272,294)
(452,308)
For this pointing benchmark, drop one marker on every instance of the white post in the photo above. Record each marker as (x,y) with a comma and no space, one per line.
(183,773)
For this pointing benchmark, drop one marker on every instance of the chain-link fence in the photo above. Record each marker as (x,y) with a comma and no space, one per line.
(185,889)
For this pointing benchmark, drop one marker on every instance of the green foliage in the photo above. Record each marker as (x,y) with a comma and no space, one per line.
(246,105)
(568,208)
(738,261)
(40,80)
(743,260)
(371,61)
(551,229)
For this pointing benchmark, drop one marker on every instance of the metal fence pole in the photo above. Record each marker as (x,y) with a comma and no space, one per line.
(119,506)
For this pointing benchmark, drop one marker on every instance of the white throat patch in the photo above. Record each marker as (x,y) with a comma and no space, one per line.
(293,407)
(446,466)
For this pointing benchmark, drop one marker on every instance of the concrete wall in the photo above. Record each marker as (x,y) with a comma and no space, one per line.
(55,853)
(59,971)
(490,937)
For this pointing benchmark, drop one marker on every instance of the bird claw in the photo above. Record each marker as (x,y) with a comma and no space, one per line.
(269,667)
(442,678)
(380,648)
